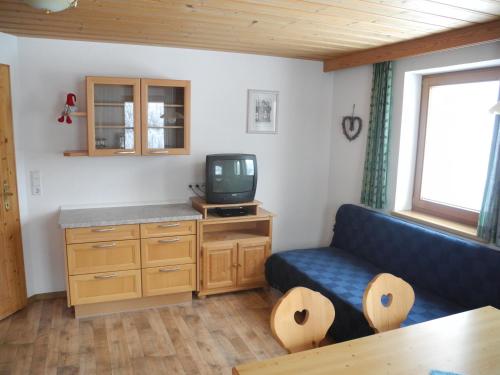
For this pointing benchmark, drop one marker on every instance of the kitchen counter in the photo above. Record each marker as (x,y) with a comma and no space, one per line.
(104,216)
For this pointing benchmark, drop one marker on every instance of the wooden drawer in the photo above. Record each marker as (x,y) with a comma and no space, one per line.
(103,257)
(97,234)
(103,287)
(171,228)
(168,279)
(165,251)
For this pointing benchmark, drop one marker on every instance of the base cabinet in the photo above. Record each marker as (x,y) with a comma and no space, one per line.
(233,265)
(130,262)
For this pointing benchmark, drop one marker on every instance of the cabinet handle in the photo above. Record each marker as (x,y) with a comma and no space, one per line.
(110,276)
(159,152)
(103,230)
(124,152)
(169,241)
(104,245)
(168,225)
(169,269)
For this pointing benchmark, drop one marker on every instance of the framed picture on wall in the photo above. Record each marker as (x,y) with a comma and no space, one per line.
(262,116)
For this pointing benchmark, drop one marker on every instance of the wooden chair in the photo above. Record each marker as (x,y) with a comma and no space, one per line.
(387,301)
(301,318)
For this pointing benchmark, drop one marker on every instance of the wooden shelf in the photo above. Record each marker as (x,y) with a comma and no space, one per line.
(167,127)
(174,105)
(76,153)
(200,205)
(113,127)
(79,114)
(232,235)
(112,104)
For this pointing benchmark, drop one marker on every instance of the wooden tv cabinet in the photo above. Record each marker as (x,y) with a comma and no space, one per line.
(233,250)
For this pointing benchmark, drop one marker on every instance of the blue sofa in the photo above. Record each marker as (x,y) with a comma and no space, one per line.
(449,274)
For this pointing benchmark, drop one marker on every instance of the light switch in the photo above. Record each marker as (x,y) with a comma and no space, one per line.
(36,183)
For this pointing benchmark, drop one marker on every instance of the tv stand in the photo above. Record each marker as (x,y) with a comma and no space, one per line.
(233,249)
(209,210)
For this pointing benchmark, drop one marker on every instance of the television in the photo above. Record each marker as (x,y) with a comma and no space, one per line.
(230,178)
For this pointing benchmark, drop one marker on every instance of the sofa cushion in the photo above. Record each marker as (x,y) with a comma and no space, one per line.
(343,277)
(462,271)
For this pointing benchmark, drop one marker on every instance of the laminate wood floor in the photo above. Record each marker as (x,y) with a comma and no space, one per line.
(207,336)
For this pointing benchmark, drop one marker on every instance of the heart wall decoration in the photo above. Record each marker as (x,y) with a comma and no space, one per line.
(351,126)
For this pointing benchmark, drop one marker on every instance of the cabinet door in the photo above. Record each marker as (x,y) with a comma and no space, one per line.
(165,117)
(113,115)
(219,265)
(252,256)
(103,257)
(104,287)
(168,279)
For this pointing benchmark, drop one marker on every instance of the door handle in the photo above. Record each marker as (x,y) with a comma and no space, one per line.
(168,225)
(104,230)
(169,241)
(104,245)
(169,269)
(6,194)
(110,276)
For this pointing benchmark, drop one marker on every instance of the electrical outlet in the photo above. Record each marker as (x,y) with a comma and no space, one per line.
(36,183)
(197,184)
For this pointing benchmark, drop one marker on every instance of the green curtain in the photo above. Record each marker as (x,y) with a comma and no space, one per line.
(374,191)
(489,218)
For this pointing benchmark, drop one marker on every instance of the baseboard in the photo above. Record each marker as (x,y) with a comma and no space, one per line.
(101,308)
(46,296)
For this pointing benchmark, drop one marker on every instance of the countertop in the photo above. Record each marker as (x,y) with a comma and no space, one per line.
(103,216)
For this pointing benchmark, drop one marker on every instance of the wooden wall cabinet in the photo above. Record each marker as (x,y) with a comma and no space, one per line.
(134,116)
(113,116)
(165,116)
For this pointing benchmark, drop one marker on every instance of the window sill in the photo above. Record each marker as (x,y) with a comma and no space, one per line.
(438,223)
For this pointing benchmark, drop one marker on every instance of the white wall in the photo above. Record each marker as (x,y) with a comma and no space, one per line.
(293,165)
(353,86)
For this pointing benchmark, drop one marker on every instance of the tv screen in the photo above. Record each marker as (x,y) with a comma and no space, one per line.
(231,178)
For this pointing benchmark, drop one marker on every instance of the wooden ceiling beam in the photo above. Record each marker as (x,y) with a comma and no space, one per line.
(481,33)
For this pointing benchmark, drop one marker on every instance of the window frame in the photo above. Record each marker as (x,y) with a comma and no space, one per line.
(459,215)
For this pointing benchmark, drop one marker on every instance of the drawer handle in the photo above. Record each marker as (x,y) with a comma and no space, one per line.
(103,230)
(104,245)
(168,225)
(169,269)
(110,276)
(124,152)
(169,241)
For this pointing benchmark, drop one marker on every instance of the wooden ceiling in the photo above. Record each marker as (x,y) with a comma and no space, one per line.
(311,29)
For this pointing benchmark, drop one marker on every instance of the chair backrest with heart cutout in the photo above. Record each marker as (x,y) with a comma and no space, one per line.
(387,301)
(301,318)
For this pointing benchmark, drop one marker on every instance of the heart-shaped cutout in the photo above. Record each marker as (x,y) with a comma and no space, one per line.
(386,299)
(351,126)
(301,317)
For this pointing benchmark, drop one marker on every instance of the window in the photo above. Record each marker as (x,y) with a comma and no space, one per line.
(455,135)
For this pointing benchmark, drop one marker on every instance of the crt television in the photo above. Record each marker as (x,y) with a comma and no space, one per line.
(230,178)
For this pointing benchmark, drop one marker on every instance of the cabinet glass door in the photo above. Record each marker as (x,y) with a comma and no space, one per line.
(113,116)
(165,117)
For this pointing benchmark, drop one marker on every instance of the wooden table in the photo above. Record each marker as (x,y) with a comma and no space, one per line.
(466,343)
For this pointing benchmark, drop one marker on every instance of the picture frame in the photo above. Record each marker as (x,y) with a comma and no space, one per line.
(262,112)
